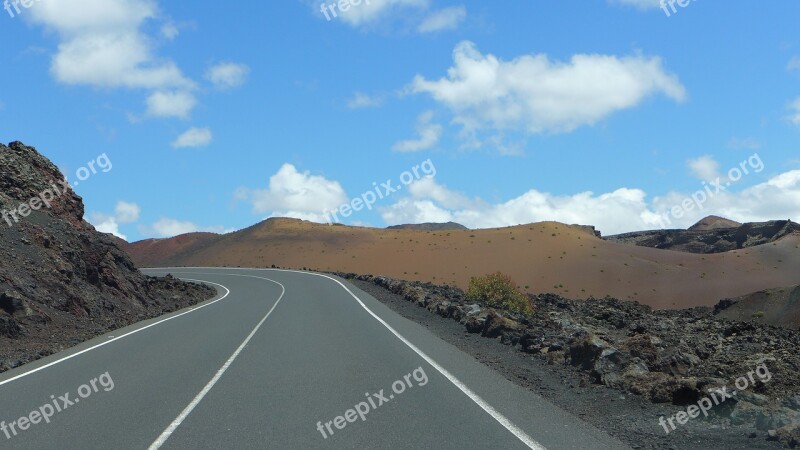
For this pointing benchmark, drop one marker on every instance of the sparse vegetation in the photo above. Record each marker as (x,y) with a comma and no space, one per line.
(498,291)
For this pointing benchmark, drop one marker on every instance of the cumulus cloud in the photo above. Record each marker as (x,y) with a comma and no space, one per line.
(640,4)
(444,19)
(622,210)
(124,213)
(794,116)
(361,100)
(102,44)
(534,94)
(744,143)
(794,64)
(170,104)
(166,227)
(292,193)
(227,75)
(193,137)
(107,224)
(169,31)
(704,168)
(429,134)
(366,14)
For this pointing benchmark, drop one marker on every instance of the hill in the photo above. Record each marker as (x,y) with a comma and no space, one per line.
(707,236)
(714,223)
(544,257)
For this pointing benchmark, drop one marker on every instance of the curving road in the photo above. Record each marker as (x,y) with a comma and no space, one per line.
(280,359)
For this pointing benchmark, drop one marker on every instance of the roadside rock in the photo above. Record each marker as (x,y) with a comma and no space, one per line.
(676,357)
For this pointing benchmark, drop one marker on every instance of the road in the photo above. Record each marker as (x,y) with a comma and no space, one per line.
(279,359)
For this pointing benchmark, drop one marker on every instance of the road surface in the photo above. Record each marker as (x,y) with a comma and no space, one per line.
(279,359)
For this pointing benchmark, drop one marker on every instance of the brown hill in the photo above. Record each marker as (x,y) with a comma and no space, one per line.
(714,223)
(150,252)
(544,257)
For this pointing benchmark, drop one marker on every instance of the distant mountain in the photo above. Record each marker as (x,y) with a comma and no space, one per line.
(543,257)
(708,236)
(714,223)
(430,226)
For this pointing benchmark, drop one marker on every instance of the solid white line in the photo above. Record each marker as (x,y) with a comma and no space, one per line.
(51,364)
(188,410)
(496,415)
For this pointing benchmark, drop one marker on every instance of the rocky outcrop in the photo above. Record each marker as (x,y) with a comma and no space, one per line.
(676,357)
(62,282)
(714,240)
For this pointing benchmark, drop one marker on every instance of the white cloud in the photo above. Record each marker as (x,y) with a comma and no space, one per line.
(794,64)
(794,117)
(126,212)
(166,227)
(227,75)
(640,4)
(534,94)
(171,104)
(744,143)
(429,135)
(623,210)
(361,100)
(107,224)
(444,19)
(169,31)
(704,168)
(369,13)
(295,194)
(102,44)
(194,137)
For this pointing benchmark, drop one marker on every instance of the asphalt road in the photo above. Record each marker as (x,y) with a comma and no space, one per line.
(284,360)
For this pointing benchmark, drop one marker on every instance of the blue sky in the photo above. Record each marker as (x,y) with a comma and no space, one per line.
(604,112)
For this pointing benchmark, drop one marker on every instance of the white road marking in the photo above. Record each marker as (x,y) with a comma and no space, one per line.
(196,401)
(51,364)
(489,409)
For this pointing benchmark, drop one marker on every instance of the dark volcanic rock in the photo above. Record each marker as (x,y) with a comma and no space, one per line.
(62,282)
(676,357)
(714,240)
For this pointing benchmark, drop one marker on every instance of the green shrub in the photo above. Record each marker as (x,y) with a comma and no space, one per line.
(498,291)
(758,314)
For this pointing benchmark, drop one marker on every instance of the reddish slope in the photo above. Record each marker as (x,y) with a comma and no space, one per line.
(545,257)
